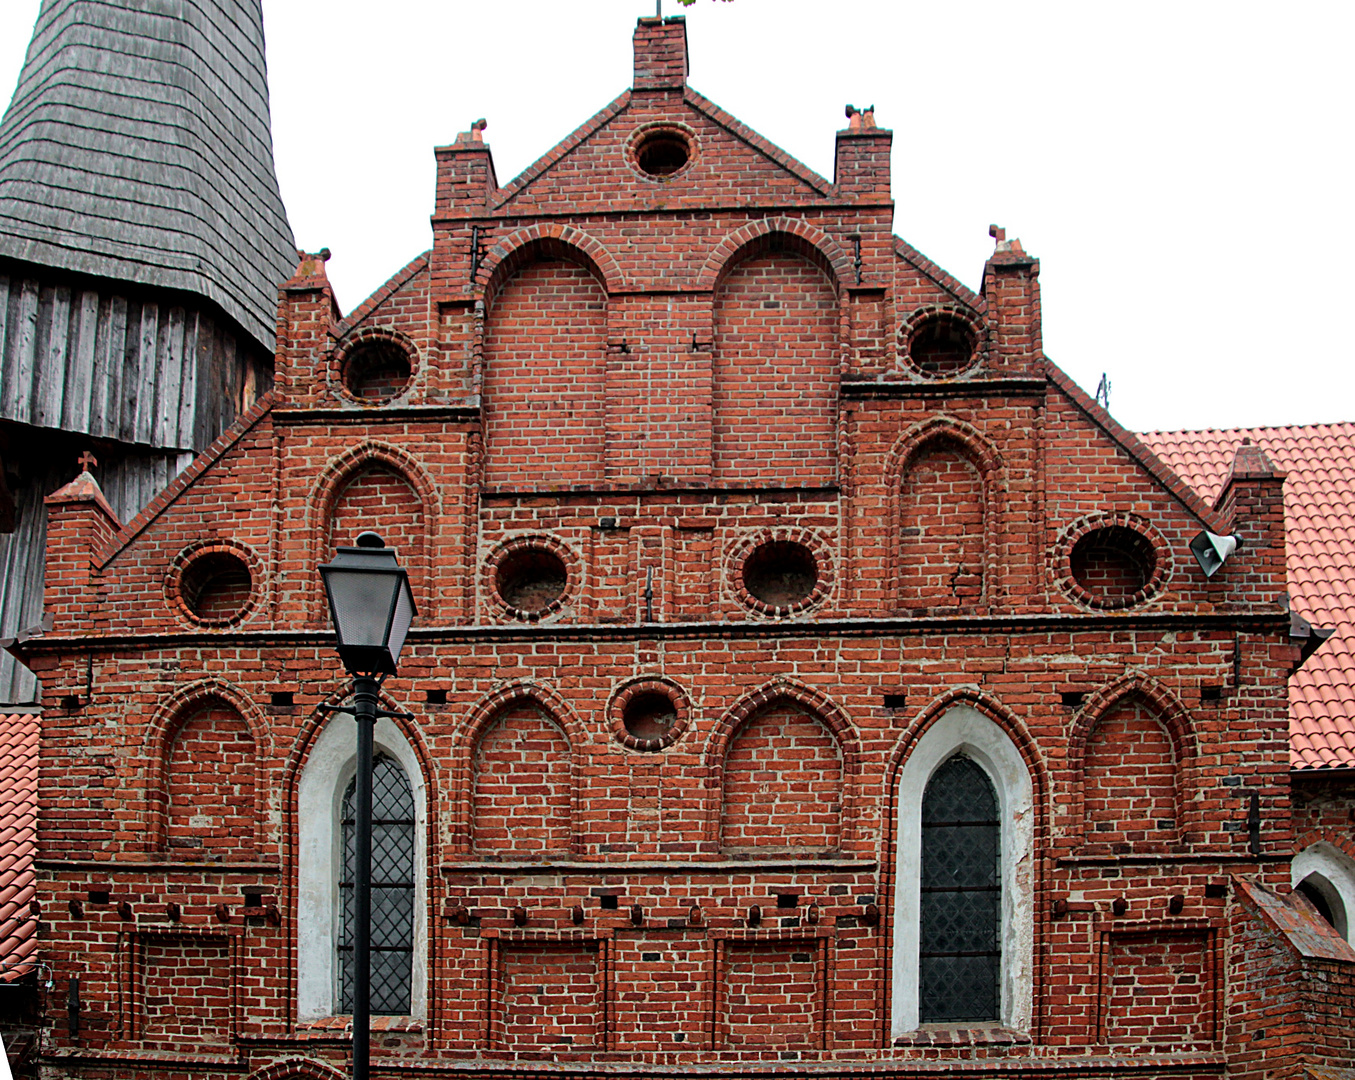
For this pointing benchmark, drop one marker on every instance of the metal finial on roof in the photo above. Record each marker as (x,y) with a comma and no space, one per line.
(137,148)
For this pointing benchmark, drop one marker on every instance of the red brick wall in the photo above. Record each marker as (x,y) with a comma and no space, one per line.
(782,783)
(776,361)
(1130,793)
(771,995)
(544,379)
(523,800)
(381,500)
(941,530)
(550,996)
(186,991)
(209,778)
(1160,991)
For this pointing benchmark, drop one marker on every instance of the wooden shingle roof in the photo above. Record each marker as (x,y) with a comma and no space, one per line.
(137,148)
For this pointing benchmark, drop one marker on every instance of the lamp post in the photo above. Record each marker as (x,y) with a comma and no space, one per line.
(372,607)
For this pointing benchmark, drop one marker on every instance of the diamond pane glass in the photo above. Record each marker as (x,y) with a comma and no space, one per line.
(392,928)
(960,958)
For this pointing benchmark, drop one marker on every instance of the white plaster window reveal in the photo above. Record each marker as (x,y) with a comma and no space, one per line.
(964,730)
(330,767)
(1329,872)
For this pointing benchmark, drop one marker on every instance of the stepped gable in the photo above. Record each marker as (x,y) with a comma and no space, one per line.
(1319,512)
(137,148)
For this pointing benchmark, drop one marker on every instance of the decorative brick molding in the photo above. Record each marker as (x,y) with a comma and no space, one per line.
(638,688)
(526,543)
(545,241)
(1061,566)
(814,702)
(135,1014)
(972,323)
(1174,717)
(462,780)
(360,338)
(297,1068)
(737,559)
(783,233)
(671,128)
(161,729)
(190,557)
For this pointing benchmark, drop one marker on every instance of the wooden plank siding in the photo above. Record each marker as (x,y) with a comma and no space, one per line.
(86,358)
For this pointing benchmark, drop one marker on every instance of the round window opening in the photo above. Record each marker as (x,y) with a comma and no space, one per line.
(215,587)
(531,579)
(376,371)
(1113,565)
(649,716)
(942,347)
(781,573)
(662,152)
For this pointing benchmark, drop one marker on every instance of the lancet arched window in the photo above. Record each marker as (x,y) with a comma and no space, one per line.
(392,935)
(960,958)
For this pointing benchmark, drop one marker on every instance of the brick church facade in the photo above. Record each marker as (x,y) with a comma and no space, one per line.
(808,678)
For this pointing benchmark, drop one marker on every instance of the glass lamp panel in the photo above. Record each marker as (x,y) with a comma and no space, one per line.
(401,619)
(361,603)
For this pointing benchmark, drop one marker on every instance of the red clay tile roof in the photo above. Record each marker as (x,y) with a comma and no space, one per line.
(18,843)
(1319,512)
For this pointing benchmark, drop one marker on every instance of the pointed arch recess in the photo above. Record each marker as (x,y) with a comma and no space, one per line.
(818,705)
(1173,715)
(168,717)
(943,430)
(333,480)
(477,723)
(548,241)
(989,707)
(293,770)
(794,234)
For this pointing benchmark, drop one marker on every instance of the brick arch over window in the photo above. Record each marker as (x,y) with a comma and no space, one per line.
(1324,861)
(967,721)
(544,368)
(782,767)
(524,735)
(206,793)
(944,488)
(406,519)
(1131,758)
(297,1069)
(777,334)
(783,233)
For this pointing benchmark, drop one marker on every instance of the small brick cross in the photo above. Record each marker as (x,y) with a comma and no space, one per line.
(87,461)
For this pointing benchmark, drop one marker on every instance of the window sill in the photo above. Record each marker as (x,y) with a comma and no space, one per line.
(946,1035)
(410,1025)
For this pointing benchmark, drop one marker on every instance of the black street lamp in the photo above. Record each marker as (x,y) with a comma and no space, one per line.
(372,607)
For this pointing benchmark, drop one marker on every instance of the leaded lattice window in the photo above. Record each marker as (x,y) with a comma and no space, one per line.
(392,891)
(960,959)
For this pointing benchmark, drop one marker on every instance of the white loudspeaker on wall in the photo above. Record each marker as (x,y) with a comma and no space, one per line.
(1211,551)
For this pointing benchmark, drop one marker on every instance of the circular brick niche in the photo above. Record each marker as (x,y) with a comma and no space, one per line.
(1111,564)
(375,371)
(649,714)
(661,151)
(940,345)
(530,577)
(781,572)
(212,585)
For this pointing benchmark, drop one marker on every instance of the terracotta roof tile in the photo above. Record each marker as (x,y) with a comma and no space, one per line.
(1319,512)
(18,843)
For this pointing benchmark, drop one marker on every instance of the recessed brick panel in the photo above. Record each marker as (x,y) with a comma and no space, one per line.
(941,541)
(209,778)
(187,990)
(522,800)
(545,378)
(381,500)
(551,998)
(782,782)
(776,360)
(1159,990)
(771,995)
(1129,793)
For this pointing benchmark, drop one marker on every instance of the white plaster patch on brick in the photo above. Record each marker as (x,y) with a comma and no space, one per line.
(1331,872)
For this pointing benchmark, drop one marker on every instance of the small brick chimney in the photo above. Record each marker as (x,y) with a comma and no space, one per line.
(661,53)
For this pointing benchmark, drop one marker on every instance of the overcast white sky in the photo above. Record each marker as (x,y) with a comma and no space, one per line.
(1182,170)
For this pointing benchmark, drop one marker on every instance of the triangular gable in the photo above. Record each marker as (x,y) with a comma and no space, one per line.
(243,425)
(396,281)
(532,181)
(938,276)
(1186,495)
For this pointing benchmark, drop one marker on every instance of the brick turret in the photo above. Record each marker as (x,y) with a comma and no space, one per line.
(661,54)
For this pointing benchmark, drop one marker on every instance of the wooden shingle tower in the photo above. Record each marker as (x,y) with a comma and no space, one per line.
(142,239)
